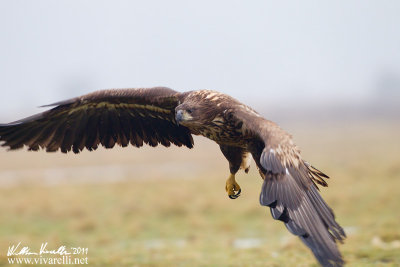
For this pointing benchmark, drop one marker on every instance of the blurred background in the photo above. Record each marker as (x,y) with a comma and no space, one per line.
(329,73)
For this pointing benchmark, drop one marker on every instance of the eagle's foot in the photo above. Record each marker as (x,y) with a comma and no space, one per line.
(232,188)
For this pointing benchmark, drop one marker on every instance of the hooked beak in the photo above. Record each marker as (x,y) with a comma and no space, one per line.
(179,116)
(182,116)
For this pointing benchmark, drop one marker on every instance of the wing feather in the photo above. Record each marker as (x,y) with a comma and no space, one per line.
(105,117)
(92,131)
(290,190)
(80,134)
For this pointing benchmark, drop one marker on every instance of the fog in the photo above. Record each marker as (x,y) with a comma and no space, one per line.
(276,56)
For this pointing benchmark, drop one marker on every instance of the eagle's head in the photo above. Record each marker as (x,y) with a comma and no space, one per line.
(199,109)
(191,115)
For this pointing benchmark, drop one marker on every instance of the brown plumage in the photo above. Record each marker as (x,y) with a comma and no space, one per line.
(163,116)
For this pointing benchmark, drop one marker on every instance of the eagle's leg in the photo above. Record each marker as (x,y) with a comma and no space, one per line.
(232,187)
(237,158)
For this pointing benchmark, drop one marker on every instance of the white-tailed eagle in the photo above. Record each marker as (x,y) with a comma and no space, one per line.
(163,116)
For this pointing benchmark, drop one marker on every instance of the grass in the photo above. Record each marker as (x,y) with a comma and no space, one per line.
(167,207)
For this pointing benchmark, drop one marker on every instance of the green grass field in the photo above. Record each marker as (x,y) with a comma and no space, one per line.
(168,207)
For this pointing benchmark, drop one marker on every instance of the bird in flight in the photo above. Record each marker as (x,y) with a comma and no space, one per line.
(163,116)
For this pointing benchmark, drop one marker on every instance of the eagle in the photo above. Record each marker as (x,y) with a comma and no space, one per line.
(163,116)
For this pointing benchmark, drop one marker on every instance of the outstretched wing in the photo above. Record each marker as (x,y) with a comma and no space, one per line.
(106,117)
(290,190)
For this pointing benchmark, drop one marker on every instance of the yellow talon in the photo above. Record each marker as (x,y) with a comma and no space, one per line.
(232,188)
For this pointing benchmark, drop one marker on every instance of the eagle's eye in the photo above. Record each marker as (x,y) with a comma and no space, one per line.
(189,111)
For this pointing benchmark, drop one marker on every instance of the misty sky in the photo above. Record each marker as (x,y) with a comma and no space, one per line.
(271,53)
